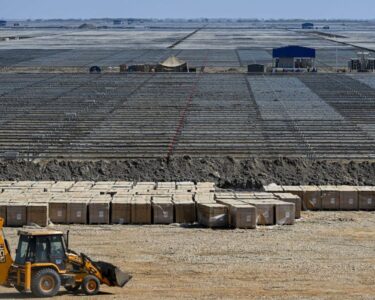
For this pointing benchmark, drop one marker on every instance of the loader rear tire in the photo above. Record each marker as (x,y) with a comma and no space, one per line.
(90,285)
(45,283)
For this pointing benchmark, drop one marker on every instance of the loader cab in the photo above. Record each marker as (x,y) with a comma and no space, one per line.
(41,247)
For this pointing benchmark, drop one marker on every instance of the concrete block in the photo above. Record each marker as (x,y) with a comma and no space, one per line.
(348,198)
(37,213)
(17,214)
(366,198)
(121,210)
(213,215)
(241,215)
(312,198)
(292,198)
(99,211)
(58,211)
(184,209)
(284,213)
(330,197)
(265,211)
(162,210)
(141,210)
(77,211)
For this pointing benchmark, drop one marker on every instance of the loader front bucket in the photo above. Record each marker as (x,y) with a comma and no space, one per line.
(122,278)
(114,275)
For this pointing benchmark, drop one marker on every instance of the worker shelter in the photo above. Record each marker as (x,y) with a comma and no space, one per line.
(172,64)
(294,58)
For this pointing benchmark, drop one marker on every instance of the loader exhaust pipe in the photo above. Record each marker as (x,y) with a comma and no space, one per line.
(67,239)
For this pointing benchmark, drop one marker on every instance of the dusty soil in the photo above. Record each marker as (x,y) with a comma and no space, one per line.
(227,172)
(327,255)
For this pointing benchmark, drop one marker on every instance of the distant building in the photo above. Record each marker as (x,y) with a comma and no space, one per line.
(95,70)
(294,57)
(363,63)
(3,23)
(326,27)
(117,22)
(255,68)
(307,26)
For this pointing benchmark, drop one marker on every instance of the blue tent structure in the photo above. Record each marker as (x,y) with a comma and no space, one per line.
(307,26)
(294,58)
(294,51)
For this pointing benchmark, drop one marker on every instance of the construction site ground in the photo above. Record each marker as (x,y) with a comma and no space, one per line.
(326,255)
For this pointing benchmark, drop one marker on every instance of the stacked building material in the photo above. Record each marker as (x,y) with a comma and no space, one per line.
(17,213)
(58,210)
(77,209)
(82,186)
(291,198)
(293,189)
(103,187)
(37,213)
(366,198)
(141,210)
(330,197)
(265,209)
(312,199)
(162,210)
(212,215)
(184,208)
(121,209)
(205,187)
(348,198)
(99,210)
(61,186)
(122,187)
(273,188)
(185,187)
(240,214)
(284,213)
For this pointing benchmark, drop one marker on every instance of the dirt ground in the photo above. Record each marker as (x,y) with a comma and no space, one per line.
(226,172)
(326,255)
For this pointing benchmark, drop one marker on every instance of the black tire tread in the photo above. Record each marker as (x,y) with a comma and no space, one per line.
(35,282)
(85,281)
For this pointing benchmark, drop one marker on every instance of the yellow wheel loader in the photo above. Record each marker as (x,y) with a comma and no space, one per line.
(44,263)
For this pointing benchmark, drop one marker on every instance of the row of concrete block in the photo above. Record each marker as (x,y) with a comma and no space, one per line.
(106,187)
(206,209)
(330,197)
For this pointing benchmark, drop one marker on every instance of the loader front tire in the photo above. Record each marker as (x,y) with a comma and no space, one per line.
(45,283)
(90,285)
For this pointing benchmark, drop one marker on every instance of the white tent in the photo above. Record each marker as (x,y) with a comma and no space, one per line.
(173,62)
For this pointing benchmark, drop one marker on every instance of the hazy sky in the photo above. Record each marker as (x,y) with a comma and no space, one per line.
(315,9)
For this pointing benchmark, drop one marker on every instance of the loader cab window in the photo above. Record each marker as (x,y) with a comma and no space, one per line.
(42,249)
(50,249)
(57,247)
(22,250)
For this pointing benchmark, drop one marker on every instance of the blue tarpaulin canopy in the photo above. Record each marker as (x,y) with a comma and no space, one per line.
(294,51)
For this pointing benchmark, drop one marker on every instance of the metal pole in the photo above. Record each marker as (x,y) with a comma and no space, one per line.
(336,60)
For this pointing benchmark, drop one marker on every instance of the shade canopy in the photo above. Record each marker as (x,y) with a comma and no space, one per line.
(173,62)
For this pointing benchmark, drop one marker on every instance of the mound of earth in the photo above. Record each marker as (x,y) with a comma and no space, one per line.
(225,172)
